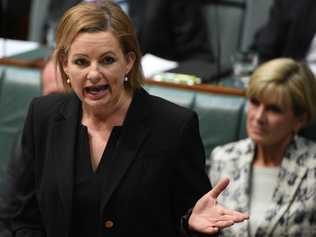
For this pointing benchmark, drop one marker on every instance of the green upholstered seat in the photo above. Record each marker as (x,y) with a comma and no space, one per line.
(18,87)
(219,117)
(181,97)
(243,120)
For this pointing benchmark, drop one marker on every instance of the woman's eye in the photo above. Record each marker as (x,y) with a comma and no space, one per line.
(254,101)
(108,60)
(275,109)
(80,62)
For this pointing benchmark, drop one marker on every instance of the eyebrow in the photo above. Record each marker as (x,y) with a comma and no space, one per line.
(102,55)
(79,55)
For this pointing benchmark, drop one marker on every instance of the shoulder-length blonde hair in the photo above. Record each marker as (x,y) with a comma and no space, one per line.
(103,16)
(290,82)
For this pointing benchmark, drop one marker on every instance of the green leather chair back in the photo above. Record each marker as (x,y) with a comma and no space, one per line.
(183,98)
(243,120)
(18,87)
(219,117)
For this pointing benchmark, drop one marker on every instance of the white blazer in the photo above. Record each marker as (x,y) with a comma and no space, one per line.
(292,211)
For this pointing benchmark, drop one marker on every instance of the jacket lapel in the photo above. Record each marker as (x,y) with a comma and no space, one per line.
(237,194)
(63,148)
(289,180)
(133,135)
(64,129)
(245,169)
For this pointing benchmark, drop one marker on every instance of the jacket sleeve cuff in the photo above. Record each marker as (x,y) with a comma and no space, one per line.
(186,231)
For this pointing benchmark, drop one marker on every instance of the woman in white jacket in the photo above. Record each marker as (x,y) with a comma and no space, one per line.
(273,172)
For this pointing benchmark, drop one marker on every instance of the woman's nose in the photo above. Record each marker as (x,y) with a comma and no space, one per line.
(260,113)
(93,74)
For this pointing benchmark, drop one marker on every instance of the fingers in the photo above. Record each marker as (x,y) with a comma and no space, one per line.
(236,216)
(233,215)
(219,187)
(240,217)
(220,224)
(224,224)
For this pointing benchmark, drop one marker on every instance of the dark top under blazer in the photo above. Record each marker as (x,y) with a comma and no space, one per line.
(289,30)
(155,176)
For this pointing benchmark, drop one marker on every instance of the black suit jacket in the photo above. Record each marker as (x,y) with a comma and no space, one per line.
(156,173)
(289,30)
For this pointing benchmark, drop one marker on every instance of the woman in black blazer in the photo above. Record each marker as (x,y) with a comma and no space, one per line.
(107,158)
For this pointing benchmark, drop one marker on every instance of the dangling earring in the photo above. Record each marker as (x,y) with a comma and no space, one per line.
(68,80)
(126,78)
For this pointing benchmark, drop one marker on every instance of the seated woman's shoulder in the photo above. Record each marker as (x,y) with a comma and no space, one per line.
(233,150)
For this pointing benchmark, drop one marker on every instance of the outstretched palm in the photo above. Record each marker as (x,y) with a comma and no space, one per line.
(208,216)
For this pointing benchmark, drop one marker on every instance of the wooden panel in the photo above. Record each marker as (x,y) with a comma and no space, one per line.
(199,87)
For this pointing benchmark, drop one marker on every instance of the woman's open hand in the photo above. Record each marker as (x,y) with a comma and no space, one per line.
(208,216)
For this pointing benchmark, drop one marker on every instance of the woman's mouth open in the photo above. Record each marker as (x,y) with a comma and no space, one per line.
(96,92)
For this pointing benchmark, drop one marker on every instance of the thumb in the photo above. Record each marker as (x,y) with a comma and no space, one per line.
(219,188)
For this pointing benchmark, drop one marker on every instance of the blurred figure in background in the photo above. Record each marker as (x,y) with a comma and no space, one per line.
(51,78)
(273,171)
(289,32)
(174,29)
(14,18)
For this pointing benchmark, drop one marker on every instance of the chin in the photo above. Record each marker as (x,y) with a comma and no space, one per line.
(263,141)
(257,138)
(96,103)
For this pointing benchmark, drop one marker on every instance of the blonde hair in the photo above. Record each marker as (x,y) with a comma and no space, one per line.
(103,16)
(288,82)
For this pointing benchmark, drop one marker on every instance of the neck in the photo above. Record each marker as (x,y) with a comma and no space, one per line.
(271,155)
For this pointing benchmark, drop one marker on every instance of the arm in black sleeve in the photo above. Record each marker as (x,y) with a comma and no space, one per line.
(190,179)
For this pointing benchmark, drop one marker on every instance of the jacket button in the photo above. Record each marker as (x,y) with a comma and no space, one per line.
(108,224)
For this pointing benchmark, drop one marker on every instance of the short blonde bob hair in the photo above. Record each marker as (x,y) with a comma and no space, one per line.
(286,82)
(97,17)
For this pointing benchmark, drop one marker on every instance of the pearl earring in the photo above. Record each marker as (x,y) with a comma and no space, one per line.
(125,78)
(68,80)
